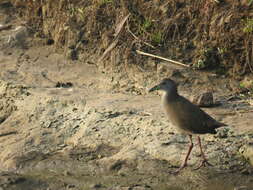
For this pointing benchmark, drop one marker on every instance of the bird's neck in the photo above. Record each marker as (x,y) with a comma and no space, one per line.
(170,95)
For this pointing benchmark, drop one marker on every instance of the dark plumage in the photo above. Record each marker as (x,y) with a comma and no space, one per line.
(188,118)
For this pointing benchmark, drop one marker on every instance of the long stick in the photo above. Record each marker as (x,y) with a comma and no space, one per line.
(162,58)
(5,27)
(110,48)
(120,25)
(116,38)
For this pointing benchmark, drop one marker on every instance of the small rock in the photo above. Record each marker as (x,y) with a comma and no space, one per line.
(203,100)
(66,173)
(64,85)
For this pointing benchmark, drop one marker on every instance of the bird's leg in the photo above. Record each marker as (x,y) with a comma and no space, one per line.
(204,161)
(184,164)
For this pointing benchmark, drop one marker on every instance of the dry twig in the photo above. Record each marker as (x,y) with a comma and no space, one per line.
(120,26)
(8,133)
(110,48)
(5,27)
(115,40)
(162,58)
(138,39)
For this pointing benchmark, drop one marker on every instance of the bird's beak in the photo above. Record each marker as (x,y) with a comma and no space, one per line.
(156,87)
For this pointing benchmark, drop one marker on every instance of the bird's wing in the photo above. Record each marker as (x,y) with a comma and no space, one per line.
(194,119)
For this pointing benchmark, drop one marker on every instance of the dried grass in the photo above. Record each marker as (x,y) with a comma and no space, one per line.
(180,29)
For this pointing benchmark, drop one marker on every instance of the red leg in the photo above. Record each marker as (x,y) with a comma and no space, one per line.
(184,164)
(204,161)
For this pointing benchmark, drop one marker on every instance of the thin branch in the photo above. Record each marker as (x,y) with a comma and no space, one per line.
(110,48)
(162,58)
(115,40)
(5,27)
(8,133)
(120,25)
(128,29)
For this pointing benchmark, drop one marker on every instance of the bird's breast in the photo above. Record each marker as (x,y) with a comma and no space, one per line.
(174,112)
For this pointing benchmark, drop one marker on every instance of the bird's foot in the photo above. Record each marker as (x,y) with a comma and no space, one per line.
(203,163)
(179,169)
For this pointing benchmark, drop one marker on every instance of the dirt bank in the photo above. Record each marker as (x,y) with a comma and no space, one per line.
(208,34)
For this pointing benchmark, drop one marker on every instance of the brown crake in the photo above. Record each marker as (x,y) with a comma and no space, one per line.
(188,118)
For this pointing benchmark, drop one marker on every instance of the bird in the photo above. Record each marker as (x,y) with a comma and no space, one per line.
(186,117)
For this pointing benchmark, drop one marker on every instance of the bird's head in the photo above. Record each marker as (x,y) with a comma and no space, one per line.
(166,85)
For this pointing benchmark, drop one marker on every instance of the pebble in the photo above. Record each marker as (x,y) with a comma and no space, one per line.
(66,173)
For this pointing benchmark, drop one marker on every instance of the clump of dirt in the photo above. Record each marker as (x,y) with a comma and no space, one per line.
(207,34)
(8,94)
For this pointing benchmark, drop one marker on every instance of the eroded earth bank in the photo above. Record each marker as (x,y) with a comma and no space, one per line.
(68,124)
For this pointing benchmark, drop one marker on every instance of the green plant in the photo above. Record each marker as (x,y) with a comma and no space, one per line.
(75,11)
(248,28)
(248,84)
(148,29)
(157,37)
(250,2)
(208,58)
(71,10)
(146,24)
(200,64)
(241,85)
(222,50)
(81,12)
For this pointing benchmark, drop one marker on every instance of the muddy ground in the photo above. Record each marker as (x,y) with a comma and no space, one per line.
(68,125)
